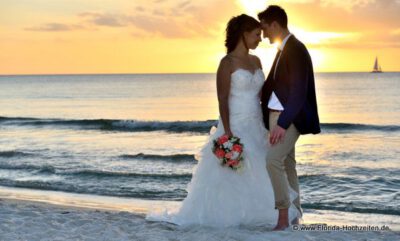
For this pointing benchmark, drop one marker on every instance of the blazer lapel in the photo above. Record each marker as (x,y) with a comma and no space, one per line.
(284,54)
(271,72)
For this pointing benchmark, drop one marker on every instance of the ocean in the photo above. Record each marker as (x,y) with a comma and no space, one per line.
(136,135)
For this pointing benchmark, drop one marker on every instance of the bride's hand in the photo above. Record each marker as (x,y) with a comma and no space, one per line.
(229,133)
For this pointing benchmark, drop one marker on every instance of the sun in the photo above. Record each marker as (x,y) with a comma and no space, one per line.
(252,7)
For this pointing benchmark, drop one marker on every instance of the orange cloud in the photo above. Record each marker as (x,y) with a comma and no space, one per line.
(359,24)
(100,19)
(56,27)
(178,20)
(144,36)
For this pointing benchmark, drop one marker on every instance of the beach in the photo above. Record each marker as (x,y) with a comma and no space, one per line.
(44,215)
(84,157)
(109,111)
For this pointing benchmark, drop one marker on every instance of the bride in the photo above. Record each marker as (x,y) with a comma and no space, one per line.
(217,195)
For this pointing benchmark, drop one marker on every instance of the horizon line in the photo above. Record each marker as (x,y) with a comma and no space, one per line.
(170,73)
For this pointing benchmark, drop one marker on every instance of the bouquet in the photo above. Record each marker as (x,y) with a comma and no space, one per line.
(229,151)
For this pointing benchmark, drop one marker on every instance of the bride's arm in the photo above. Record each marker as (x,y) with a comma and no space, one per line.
(259,66)
(223,90)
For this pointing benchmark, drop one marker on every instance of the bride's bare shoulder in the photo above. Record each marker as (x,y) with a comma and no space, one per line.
(256,60)
(226,62)
(226,59)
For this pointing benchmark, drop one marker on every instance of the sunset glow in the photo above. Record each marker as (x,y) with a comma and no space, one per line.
(161,36)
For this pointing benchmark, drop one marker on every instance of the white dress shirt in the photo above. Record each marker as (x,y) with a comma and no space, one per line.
(274,102)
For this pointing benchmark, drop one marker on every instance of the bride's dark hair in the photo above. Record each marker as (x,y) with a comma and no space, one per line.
(236,27)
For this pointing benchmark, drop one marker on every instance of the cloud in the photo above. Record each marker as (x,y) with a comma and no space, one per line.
(165,27)
(376,40)
(100,19)
(158,12)
(185,19)
(395,32)
(139,9)
(350,24)
(347,16)
(55,27)
(356,45)
(362,23)
(184,4)
(347,5)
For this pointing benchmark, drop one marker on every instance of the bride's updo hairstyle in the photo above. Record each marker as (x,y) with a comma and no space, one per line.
(236,27)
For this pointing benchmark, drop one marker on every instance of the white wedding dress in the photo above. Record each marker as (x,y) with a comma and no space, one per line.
(219,196)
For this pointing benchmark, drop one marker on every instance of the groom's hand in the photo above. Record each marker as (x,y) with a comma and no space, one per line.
(277,135)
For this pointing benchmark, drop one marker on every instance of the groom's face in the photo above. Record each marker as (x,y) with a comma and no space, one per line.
(268,31)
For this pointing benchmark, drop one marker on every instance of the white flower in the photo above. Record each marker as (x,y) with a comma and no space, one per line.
(235,155)
(228,145)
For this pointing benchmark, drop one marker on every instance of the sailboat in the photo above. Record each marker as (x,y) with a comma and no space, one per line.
(377,67)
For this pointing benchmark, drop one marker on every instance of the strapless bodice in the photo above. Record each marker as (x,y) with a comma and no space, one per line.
(244,97)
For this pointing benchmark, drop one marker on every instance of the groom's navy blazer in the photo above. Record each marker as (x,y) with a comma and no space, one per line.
(294,86)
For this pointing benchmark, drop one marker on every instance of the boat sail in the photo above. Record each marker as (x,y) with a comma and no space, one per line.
(377,67)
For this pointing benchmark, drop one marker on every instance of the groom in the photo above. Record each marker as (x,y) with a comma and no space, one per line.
(289,107)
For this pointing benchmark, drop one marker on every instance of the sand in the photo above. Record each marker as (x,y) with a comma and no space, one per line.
(44,215)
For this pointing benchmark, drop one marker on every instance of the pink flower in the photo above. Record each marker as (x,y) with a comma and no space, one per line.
(223,139)
(219,153)
(231,162)
(237,148)
(229,155)
(235,163)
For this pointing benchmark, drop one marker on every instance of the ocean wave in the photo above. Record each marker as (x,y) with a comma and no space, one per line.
(167,194)
(9,154)
(116,125)
(85,172)
(101,173)
(28,167)
(378,176)
(171,186)
(168,158)
(346,127)
(349,207)
(173,126)
(89,189)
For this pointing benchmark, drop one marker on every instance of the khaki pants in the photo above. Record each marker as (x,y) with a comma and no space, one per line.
(281,165)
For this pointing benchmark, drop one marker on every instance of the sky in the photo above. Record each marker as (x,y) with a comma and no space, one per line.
(186,36)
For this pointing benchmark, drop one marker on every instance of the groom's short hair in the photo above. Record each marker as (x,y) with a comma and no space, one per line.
(274,13)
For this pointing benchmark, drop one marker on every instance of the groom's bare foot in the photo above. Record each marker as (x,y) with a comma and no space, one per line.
(280,227)
(283,220)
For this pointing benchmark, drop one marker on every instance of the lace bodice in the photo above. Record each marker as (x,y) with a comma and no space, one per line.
(244,97)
